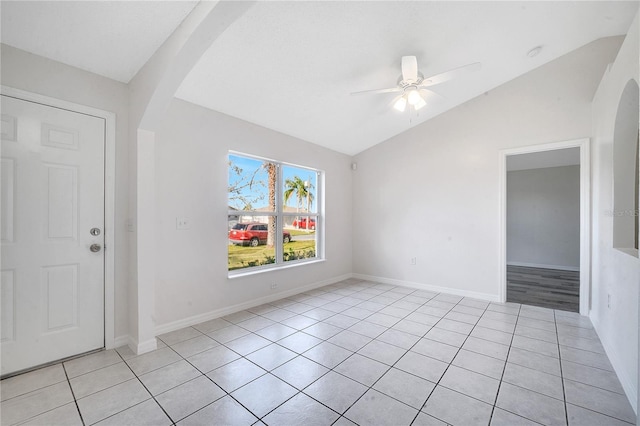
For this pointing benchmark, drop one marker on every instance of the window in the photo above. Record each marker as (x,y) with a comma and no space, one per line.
(266,199)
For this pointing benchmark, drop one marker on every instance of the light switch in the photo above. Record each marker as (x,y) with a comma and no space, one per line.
(182,223)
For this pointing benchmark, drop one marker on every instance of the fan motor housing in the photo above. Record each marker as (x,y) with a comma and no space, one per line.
(407,84)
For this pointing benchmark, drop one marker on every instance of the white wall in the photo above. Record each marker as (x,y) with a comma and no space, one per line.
(432,192)
(36,74)
(191,181)
(614,272)
(543,217)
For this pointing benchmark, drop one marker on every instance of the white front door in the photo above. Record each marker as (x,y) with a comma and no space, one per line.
(52,217)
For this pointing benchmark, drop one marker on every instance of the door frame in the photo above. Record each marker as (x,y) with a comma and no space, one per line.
(585,213)
(109,195)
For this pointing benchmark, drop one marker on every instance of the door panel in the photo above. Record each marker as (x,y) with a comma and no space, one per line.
(52,285)
(7,293)
(61,202)
(60,285)
(8,189)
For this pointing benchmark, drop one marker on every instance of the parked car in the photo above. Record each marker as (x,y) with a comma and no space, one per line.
(252,234)
(303,223)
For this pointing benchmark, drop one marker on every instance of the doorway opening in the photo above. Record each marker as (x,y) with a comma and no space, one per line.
(544,224)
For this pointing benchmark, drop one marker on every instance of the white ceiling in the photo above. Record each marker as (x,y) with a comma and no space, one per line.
(544,159)
(291,66)
(111,38)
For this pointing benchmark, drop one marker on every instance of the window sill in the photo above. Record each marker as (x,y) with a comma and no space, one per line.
(260,270)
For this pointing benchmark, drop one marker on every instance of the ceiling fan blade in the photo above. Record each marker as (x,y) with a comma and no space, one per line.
(431,95)
(375,91)
(409,68)
(448,75)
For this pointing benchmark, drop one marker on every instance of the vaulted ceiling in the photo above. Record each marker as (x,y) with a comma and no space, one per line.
(291,66)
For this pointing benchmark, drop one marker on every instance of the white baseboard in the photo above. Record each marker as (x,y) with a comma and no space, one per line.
(197,319)
(429,287)
(140,348)
(137,348)
(543,266)
(628,383)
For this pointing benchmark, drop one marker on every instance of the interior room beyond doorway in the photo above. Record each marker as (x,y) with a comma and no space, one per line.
(543,229)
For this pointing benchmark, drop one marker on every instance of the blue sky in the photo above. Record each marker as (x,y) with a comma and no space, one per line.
(259,191)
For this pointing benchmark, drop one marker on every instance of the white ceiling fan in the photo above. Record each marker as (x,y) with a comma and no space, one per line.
(412,82)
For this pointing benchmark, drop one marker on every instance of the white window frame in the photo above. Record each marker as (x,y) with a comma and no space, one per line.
(280,215)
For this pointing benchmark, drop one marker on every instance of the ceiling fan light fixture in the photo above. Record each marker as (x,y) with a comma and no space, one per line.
(412,82)
(414,98)
(400,104)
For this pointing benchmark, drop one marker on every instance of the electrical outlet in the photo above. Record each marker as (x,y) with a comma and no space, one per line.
(274,286)
(414,260)
(609,301)
(182,223)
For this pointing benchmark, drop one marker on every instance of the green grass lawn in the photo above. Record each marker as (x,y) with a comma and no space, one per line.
(244,256)
(295,232)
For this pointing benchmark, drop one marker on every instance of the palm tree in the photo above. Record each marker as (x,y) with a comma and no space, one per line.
(271,172)
(302,190)
(295,186)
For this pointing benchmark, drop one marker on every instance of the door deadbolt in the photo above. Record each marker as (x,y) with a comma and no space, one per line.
(95,231)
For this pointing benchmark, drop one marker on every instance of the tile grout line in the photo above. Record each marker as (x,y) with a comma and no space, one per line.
(392,365)
(406,351)
(353,352)
(493,409)
(561,377)
(101,390)
(145,388)
(449,364)
(203,374)
(459,348)
(563,380)
(454,357)
(423,337)
(564,390)
(73,394)
(341,415)
(65,380)
(240,357)
(267,372)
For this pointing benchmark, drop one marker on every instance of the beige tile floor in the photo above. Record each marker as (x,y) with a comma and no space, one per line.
(355,352)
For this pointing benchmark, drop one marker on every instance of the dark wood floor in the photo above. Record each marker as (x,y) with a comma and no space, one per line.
(549,288)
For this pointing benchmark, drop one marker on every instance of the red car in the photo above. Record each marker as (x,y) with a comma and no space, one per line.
(303,223)
(252,234)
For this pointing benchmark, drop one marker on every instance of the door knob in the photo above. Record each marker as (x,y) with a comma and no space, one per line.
(95,248)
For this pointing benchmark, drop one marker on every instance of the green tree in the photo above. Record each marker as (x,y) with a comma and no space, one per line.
(295,186)
(302,191)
